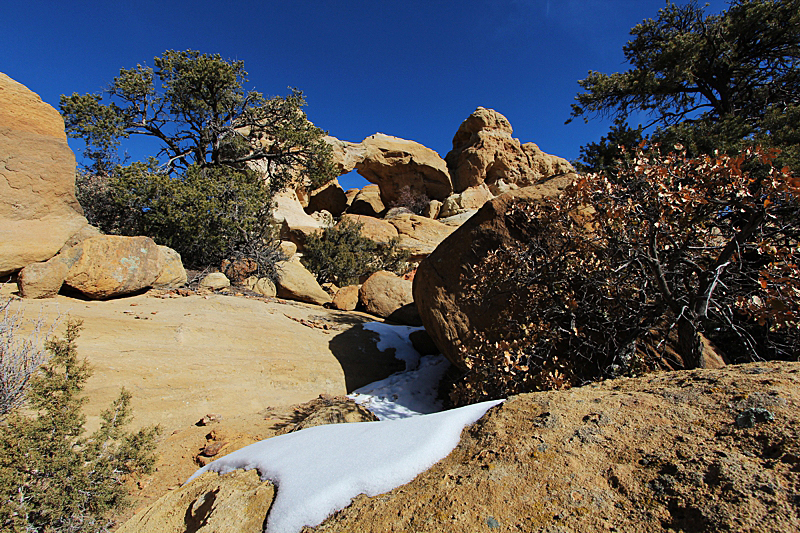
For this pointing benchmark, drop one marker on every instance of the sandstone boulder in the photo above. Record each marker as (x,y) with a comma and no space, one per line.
(171,274)
(419,235)
(346,298)
(389,296)
(38,209)
(373,228)
(262,286)
(330,197)
(439,288)
(42,280)
(297,283)
(289,214)
(394,164)
(345,154)
(214,281)
(367,202)
(484,152)
(108,266)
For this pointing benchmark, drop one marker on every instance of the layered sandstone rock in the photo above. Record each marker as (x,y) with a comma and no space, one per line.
(395,164)
(373,228)
(419,235)
(484,152)
(367,202)
(38,209)
(440,288)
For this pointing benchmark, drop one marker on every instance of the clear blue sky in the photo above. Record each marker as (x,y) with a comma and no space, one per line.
(413,68)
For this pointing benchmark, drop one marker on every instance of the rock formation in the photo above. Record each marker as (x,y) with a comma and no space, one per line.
(387,295)
(297,283)
(439,288)
(703,450)
(419,235)
(484,152)
(38,209)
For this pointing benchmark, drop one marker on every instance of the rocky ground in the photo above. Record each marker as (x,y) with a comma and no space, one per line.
(706,450)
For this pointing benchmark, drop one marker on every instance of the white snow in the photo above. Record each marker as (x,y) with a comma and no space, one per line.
(403,394)
(318,470)
(408,393)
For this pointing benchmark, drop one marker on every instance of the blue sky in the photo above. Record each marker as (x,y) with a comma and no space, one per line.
(413,69)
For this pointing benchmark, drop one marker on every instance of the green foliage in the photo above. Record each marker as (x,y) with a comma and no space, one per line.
(196,106)
(617,277)
(341,255)
(208,214)
(52,478)
(708,82)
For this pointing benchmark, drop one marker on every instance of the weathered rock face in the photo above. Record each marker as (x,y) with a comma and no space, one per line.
(38,209)
(393,164)
(345,154)
(297,283)
(484,152)
(419,235)
(389,296)
(467,200)
(367,202)
(290,215)
(239,501)
(330,197)
(346,298)
(439,289)
(666,452)
(373,228)
(109,266)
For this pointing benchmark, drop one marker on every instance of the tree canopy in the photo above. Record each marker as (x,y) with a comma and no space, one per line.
(197,107)
(708,81)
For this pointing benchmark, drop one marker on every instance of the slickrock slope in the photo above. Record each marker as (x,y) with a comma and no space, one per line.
(185,357)
(706,450)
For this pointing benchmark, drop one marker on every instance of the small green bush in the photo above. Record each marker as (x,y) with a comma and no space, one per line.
(52,479)
(341,255)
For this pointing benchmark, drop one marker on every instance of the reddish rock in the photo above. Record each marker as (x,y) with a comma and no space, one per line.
(439,287)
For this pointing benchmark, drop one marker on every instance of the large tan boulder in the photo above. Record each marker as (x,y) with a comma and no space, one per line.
(389,296)
(171,274)
(484,152)
(346,298)
(367,202)
(38,209)
(110,265)
(376,229)
(442,279)
(42,280)
(395,164)
(297,283)
(418,234)
(466,200)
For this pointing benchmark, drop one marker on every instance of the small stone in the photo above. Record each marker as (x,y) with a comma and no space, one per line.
(752,416)
(492,523)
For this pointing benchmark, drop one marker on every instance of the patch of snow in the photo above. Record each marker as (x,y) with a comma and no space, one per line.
(411,392)
(396,337)
(318,470)
(404,394)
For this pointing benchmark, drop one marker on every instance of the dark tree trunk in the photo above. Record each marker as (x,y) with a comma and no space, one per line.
(690,347)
